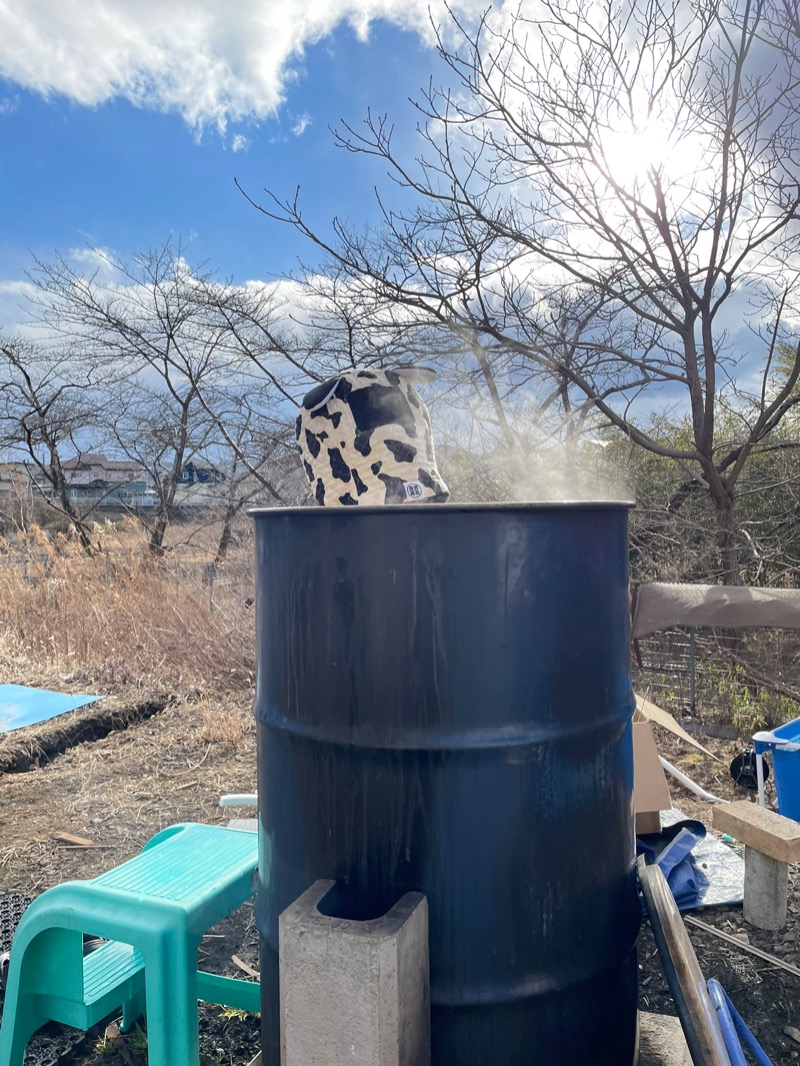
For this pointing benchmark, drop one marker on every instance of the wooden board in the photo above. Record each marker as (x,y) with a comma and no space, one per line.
(756,827)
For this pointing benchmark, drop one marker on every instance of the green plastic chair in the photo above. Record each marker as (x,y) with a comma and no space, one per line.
(153,910)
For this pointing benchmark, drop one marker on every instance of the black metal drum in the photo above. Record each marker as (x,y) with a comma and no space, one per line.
(444,705)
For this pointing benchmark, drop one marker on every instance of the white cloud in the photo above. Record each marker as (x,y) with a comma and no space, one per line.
(301,125)
(239,142)
(95,262)
(15,297)
(200,58)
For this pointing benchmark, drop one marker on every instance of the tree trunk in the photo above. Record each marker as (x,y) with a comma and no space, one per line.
(166,499)
(225,535)
(59,483)
(726,541)
(158,532)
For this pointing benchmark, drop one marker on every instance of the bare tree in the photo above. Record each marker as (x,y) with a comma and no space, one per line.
(176,338)
(160,429)
(50,401)
(637,159)
(251,449)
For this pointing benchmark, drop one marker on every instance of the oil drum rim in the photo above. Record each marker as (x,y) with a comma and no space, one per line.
(445,508)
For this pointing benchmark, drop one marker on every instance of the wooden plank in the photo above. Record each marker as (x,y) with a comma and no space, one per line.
(756,827)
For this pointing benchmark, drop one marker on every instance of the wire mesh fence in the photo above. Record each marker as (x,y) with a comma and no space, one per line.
(747,679)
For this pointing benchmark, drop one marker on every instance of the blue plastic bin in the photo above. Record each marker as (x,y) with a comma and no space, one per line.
(783,744)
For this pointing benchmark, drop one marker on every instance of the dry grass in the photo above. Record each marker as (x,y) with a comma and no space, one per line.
(122,619)
(223,728)
(139,631)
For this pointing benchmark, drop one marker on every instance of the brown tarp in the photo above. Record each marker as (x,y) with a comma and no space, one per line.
(659,606)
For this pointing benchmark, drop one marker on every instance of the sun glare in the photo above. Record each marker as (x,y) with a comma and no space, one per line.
(631,158)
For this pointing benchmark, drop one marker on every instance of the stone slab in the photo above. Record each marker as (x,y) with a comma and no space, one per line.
(661,1041)
(244,823)
(354,991)
(758,828)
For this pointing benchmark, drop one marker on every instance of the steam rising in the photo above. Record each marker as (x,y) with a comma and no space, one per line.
(552,472)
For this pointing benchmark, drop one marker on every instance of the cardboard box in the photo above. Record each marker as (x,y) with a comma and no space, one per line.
(651,712)
(650,791)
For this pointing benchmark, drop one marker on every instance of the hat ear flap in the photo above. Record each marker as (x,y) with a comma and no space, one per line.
(417,375)
(319,395)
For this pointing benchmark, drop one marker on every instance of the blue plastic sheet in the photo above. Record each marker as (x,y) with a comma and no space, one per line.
(21,705)
(699,868)
(721,866)
(672,849)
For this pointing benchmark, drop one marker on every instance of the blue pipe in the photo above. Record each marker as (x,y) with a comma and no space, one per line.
(741,1026)
(756,1049)
(734,1048)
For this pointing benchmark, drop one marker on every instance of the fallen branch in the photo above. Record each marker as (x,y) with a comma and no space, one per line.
(70,838)
(763,680)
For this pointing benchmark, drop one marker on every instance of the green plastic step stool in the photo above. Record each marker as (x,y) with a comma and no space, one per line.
(153,910)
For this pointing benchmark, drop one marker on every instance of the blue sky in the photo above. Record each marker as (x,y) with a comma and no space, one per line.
(125,177)
(125,122)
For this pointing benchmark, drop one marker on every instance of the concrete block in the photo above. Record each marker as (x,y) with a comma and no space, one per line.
(755,826)
(354,993)
(766,886)
(661,1041)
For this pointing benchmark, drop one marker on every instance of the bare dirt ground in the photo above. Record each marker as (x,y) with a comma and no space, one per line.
(116,792)
(168,761)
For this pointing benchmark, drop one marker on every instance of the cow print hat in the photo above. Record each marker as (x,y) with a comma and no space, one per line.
(365,438)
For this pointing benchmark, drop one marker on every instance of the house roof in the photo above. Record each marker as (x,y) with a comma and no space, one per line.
(90,468)
(92,460)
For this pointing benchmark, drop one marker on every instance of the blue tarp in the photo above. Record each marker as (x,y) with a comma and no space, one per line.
(20,705)
(699,868)
(672,850)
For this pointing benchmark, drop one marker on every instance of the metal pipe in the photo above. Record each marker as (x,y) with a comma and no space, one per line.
(682,970)
(692,667)
(729,1035)
(764,738)
(239,799)
(748,949)
(688,783)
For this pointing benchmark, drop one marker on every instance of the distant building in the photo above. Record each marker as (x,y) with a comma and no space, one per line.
(16,481)
(198,485)
(93,478)
(201,474)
